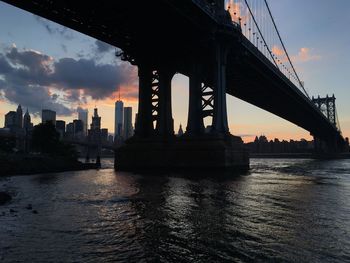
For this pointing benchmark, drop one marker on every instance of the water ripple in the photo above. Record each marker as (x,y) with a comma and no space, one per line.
(282,211)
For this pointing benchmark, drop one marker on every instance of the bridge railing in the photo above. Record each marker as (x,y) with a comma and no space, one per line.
(259,27)
(255,21)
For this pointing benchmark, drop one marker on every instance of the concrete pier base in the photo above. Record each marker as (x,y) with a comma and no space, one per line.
(202,152)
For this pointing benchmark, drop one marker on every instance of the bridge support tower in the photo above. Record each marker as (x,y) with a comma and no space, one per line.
(154,145)
(331,145)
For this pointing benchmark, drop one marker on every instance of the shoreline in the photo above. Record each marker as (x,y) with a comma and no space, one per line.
(282,155)
(12,165)
(299,156)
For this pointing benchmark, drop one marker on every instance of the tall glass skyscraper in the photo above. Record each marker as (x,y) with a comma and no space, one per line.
(48,115)
(83,116)
(118,119)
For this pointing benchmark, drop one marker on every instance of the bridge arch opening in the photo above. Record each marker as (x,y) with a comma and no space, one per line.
(179,101)
(207,106)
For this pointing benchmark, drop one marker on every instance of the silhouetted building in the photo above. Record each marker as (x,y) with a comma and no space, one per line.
(94,133)
(27,124)
(180,132)
(83,116)
(96,121)
(70,130)
(110,139)
(61,127)
(19,117)
(14,120)
(48,115)
(262,145)
(10,120)
(78,128)
(104,135)
(118,121)
(128,130)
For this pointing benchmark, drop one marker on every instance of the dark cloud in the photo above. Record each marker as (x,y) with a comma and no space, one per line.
(5,66)
(72,96)
(28,58)
(27,76)
(103,47)
(53,28)
(98,80)
(28,67)
(34,97)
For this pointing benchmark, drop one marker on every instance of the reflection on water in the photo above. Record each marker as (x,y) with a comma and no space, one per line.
(283,211)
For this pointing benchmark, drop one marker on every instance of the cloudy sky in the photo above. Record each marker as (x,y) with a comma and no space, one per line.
(45,65)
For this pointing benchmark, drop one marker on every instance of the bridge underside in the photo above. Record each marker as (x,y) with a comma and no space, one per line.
(135,28)
(162,37)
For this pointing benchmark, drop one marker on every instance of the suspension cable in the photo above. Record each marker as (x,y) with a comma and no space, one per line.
(337,120)
(250,11)
(284,48)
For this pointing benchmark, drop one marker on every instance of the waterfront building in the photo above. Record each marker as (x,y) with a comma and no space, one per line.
(19,117)
(61,127)
(48,115)
(78,128)
(104,135)
(10,120)
(94,133)
(14,120)
(27,124)
(96,121)
(83,116)
(70,130)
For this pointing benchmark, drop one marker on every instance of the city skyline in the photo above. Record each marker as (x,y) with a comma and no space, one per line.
(321,67)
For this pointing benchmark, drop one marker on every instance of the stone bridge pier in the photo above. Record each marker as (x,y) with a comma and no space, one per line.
(154,145)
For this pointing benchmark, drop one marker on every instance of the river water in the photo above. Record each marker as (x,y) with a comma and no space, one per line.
(281,211)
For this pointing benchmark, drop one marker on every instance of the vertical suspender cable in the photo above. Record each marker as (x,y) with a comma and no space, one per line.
(284,48)
(250,11)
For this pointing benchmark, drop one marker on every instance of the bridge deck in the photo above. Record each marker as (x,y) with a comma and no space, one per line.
(172,28)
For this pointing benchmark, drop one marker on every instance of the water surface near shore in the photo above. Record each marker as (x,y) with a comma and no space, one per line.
(284,210)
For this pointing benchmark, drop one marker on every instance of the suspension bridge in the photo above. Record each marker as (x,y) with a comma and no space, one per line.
(224,47)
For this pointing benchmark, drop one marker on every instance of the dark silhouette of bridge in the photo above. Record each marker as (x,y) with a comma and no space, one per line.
(236,50)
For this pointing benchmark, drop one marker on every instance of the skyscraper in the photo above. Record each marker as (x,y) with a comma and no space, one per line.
(14,119)
(96,121)
(78,126)
(128,131)
(180,132)
(70,130)
(94,133)
(48,115)
(27,124)
(118,122)
(104,135)
(83,116)
(10,120)
(19,117)
(61,127)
